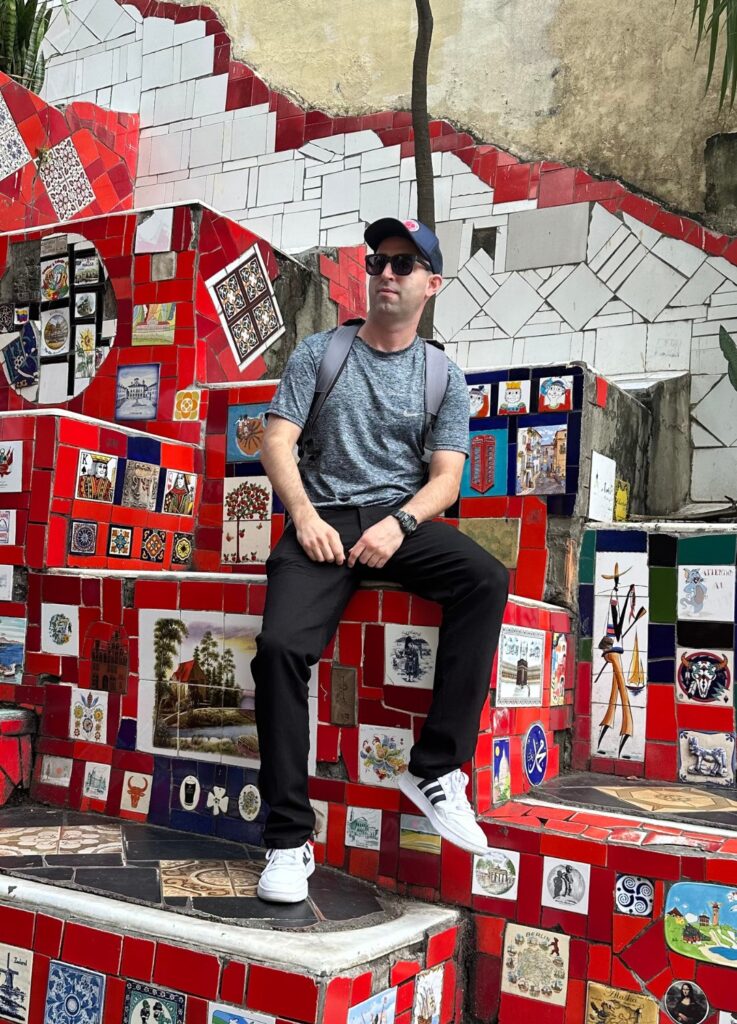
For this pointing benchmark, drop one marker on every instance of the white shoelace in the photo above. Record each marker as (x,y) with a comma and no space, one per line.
(291,855)
(454,784)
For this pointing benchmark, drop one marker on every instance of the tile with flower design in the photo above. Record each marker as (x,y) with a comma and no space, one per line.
(73,996)
(209,878)
(187,404)
(88,716)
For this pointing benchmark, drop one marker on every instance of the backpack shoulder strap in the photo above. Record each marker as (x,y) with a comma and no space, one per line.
(436,384)
(331,365)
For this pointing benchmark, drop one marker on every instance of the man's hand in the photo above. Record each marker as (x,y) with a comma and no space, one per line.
(321,542)
(376,545)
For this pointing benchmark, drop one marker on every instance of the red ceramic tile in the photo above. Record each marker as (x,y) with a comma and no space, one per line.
(186,970)
(441,946)
(138,958)
(47,936)
(279,992)
(16,927)
(92,948)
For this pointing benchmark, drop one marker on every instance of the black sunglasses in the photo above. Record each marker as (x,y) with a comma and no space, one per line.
(402,264)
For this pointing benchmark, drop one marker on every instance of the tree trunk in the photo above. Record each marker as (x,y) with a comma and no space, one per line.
(421,130)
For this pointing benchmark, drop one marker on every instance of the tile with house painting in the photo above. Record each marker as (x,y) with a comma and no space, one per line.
(555,394)
(428,996)
(706,758)
(496,874)
(363,828)
(409,655)
(706,592)
(16,966)
(246,426)
(380,1007)
(541,458)
(12,648)
(137,392)
(383,754)
(485,471)
(7,526)
(55,770)
(519,679)
(154,323)
(606,1005)
(704,677)
(535,964)
(73,995)
(55,332)
(96,781)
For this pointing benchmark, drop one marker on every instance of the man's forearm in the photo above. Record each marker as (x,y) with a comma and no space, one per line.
(434,497)
(278,461)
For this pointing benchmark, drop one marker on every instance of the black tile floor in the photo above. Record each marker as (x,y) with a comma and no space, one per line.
(171,870)
(712,806)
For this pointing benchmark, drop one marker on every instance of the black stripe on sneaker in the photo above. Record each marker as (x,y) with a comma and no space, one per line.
(306,858)
(432,789)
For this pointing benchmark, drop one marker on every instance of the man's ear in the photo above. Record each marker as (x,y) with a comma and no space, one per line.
(434,284)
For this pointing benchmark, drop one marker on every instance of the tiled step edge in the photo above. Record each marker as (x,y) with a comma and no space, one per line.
(321,954)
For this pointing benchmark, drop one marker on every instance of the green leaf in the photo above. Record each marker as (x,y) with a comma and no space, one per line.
(716,21)
(9,27)
(729,351)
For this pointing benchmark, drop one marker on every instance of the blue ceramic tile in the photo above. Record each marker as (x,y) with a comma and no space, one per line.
(550,371)
(245,469)
(573,449)
(662,550)
(621,540)
(73,996)
(586,608)
(144,449)
(571,478)
(127,734)
(661,641)
(119,481)
(663,671)
(160,490)
(187,821)
(578,386)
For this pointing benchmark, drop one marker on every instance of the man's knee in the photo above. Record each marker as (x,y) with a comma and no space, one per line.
(490,577)
(275,650)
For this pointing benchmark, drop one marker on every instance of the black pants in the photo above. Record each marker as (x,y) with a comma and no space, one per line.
(304,604)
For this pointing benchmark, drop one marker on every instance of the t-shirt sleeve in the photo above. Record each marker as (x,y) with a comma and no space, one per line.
(296,389)
(450,431)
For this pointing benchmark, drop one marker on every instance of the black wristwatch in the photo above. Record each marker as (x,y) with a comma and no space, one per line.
(407,522)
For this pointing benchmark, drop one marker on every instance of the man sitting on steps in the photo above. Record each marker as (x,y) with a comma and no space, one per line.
(361,506)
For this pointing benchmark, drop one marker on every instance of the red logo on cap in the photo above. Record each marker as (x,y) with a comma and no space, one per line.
(412,225)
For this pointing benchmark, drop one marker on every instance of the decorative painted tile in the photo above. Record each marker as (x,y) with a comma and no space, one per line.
(96,781)
(680,799)
(409,655)
(12,648)
(82,537)
(56,771)
(16,967)
(11,467)
(181,550)
(320,807)
(85,305)
(179,493)
(96,476)
(384,754)
(154,230)
(60,629)
(19,842)
(218,800)
(88,716)
(479,396)
(120,541)
(685,1001)
(141,999)
(154,324)
(246,426)
(73,996)
(416,833)
(187,404)
(190,792)
(566,885)
(6,582)
(247,505)
(22,314)
(381,1007)
(501,778)
(65,180)
(485,471)
(363,828)
(55,279)
(53,383)
(136,795)
(20,359)
(558,670)
(605,1005)
(109,664)
(137,392)
(619,690)
(428,996)
(86,270)
(601,493)
(634,895)
(706,757)
(245,302)
(555,394)
(541,459)
(535,754)
(219,1013)
(697,922)
(621,500)
(704,677)
(514,398)
(706,592)
(7,526)
(6,316)
(89,839)
(210,878)
(535,964)
(496,874)
(153,545)
(140,485)
(519,678)
(13,150)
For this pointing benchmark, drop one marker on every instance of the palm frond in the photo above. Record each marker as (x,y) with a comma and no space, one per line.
(716,22)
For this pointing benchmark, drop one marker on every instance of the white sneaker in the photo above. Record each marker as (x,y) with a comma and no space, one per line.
(284,879)
(443,801)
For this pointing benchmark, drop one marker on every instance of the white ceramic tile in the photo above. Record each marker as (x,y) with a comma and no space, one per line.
(701,438)
(547,238)
(300,231)
(275,183)
(668,346)
(167,151)
(209,95)
(621,349)
(701,384)
(206,146)
(361,142)
(643,232)
(718,412)
(601,228)
(171,103)
(513,304)
(711,471)
(706,355)
(342,193)
(197,57)
(620,237)
(379,199)
(126,96)
(549,348)
(88,715)
(651,286)
(153,233)
(580,297)
(724,267)
(684,257)
(375,159)
(615,277)
(188,30)
(454,307)
(158,33)
(158,68)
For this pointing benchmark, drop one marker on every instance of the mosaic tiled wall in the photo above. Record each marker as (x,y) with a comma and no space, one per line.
(543,262)
(114,977)
(656,655)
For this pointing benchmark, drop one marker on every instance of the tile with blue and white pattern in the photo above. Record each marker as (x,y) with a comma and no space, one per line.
(73,996)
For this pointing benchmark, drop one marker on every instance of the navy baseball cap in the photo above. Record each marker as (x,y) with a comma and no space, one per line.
(425,240)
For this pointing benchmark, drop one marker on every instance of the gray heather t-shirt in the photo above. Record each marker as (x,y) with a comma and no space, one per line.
(369,431)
